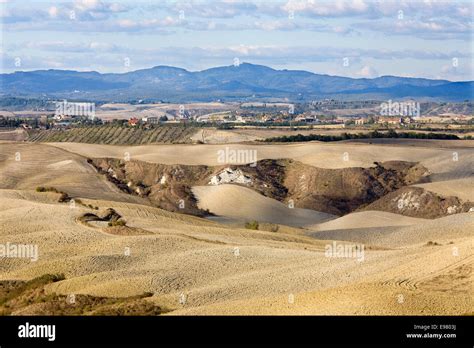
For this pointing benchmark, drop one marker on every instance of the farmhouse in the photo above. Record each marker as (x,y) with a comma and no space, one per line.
(390,120)
(407,120)
(306,119)
(133,121)
(151,119)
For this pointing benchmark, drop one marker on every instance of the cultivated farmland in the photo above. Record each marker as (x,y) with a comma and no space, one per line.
(116,135)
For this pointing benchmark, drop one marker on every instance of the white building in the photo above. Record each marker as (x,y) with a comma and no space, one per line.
(151,119)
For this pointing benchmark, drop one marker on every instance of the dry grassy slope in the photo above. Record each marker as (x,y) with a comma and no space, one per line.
(340,191)
(197,258)
(357,299)
(217,136)
(30,298)
(417,202)
(429,281)
(462,188)
(332,191)
(42,165)
(324,155)
(443,230)
(445,164)
(168,187)
(367,219)
(243,204)
(237,135)
(18,134)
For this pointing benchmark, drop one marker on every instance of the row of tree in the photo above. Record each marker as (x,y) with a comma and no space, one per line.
(370,135)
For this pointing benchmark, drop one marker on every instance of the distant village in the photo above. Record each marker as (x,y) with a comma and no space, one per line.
(326,113)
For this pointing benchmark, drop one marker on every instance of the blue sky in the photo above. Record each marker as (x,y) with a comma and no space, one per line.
(355,38)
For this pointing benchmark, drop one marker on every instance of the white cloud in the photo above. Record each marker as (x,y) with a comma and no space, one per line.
(62,46)
(380,9)
(53,11)
(432,29)
(267,52)
(215,9)
(367,71)
(426,20)
(98,6)
(459,71)
(351,23)
(327,8)
(100,56)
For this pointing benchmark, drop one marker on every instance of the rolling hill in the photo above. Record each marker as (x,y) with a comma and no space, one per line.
(243,82)
(409,266)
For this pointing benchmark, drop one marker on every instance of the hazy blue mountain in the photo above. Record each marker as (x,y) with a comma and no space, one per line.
(243,82)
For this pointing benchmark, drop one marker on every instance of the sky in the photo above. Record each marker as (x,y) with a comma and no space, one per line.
(354,38)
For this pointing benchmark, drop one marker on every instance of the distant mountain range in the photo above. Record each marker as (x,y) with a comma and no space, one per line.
(228,83)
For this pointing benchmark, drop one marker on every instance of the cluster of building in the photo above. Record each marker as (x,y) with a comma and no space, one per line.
(391,120)
(149,120)
(280,118)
